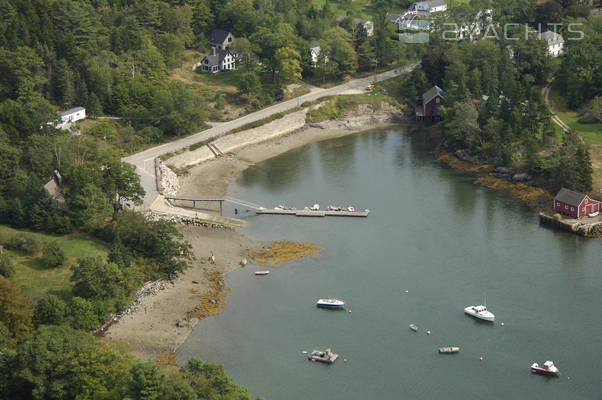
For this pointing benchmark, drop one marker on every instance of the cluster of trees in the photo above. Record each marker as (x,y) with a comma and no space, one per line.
(494,107)
(57,362)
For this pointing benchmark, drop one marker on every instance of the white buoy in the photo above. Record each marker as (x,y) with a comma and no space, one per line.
(345,360)
(304,352)
(428,332)
(502,324)
(407,291)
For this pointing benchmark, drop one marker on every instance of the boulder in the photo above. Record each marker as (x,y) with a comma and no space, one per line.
(523,177)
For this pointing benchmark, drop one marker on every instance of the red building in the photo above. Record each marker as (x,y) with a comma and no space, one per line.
(575,204)
(432,100)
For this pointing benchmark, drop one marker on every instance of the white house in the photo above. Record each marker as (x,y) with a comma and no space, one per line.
(220,39)
(72,115)
(218,60)
(314,51)
(429,6)
(366,24)
(555,42)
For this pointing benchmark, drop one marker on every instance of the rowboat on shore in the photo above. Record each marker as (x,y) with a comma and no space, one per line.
(265,272)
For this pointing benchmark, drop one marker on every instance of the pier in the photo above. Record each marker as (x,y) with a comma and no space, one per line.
(314,213)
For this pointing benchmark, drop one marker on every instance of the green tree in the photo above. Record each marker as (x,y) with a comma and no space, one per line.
(7,269)
(82,314)
(339,48)
(148,383)
(94,279)
(15,309)
(288,65)
(52,255)
(50,310)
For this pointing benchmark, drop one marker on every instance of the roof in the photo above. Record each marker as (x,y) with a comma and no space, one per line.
(431,94)
(551,37)
(218,57)
(393,17)
(569,197)
(436,3)
(218,36)
(314,43)
(72,111)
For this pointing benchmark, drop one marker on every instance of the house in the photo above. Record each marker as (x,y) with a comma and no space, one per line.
(555,42)
(218,60)
(429,6)
(220,39)
(575,204)
(314,51)
(54,187)
(70,116)
(395,18)
(366,24)
(432,100)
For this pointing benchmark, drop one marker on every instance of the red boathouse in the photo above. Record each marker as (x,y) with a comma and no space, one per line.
(575,204)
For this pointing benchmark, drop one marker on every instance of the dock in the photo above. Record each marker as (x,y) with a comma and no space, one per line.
(313,213)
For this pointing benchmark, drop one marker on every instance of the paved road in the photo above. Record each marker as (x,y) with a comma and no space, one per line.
(144,161)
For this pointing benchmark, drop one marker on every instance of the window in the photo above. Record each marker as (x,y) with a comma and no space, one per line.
(437,100)
(572,208)
(558,203)
(585,201)
(566,207)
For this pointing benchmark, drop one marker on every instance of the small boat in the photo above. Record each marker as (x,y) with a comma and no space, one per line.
(548,368)
(414,327)
(265,272)
(480,312)
(330,303)
(448,350)
(326,356)
(594,214)
(315,207)
(351,209)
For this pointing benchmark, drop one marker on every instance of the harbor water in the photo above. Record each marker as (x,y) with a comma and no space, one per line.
(433,244)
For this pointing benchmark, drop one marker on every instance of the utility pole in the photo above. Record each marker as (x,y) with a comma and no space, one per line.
(375,66)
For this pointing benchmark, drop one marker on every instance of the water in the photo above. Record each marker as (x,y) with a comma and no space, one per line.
(431,232)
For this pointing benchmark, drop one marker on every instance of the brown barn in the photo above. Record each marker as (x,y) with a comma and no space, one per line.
(432,100)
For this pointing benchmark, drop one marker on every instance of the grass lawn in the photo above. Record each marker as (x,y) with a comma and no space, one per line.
(591,132)
(37,280)
(359,7)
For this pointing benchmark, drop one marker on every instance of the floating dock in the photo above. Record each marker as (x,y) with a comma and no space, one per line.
(313,213)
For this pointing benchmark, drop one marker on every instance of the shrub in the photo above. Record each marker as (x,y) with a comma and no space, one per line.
(82,314)
(7,269)
(53,256)
(50,311)
(26,243)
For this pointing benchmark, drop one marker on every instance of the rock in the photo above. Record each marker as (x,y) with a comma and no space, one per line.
(463,155)
(212,301)
(244,262)
(180,324)
(195,282)
(503,171)
(523,177)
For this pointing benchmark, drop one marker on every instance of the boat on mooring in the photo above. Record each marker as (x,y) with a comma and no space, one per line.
(330,303)
(261,273)
(323,356)
(548,368)
(449,350)
(480,312)
(414,327)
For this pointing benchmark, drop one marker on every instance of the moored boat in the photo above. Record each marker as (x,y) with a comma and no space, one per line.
(480,312)
(330,303)
(325,356)
(594,214)
(414,327)
(548,368)
(265,272)
(447,350)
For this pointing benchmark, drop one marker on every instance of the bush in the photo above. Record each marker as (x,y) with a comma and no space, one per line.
(82,314)
(7,269)
(53,256)
(26,243)
(50,311)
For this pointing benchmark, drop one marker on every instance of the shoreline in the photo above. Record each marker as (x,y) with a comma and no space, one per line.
(163,320)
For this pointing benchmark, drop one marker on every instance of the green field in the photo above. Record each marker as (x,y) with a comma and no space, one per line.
(591,132)
(358,7)
(37,280)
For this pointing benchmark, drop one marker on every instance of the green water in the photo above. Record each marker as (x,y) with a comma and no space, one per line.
(433,233)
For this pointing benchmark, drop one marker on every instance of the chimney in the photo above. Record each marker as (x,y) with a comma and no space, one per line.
(213,50)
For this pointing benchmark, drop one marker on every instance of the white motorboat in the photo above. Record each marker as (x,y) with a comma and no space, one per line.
(351,209)
(449,350)
(315,207)
(548,368)
(594,214)
(480,312)
(330,303)
(414,327)
(264,272)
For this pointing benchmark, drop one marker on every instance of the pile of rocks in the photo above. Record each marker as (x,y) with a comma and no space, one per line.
(148,289)
(170,184)
(510,175)
(180,219)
